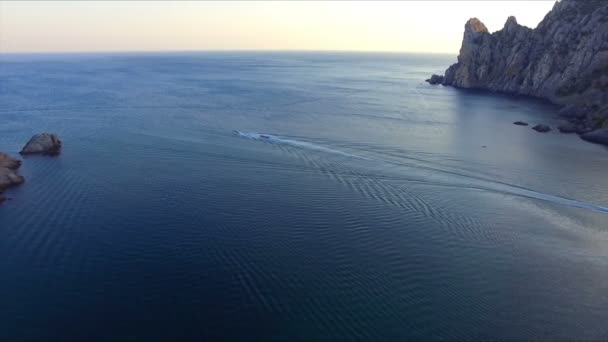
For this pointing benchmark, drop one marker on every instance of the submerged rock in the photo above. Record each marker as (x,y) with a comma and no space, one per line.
(599,136)
(45,143)
(541,128)
(435,79)
(520,123)
(8,173)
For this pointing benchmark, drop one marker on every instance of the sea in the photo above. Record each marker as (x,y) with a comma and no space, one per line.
(293,196)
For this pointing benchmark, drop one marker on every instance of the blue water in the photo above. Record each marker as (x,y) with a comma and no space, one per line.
(293,196)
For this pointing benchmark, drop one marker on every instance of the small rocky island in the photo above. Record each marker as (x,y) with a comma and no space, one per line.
(43,143)
(563,60)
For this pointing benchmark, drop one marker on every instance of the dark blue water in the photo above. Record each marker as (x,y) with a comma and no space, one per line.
(374,206)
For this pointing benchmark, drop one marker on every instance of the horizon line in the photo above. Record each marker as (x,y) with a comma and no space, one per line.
(218,50)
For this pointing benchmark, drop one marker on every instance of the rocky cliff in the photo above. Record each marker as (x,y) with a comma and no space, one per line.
(563,60)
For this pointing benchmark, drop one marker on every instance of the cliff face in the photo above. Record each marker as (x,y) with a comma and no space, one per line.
(564,60)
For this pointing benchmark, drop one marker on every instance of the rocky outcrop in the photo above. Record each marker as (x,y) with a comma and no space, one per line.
(8,173)
(44,143)
(541,128)
(564,60)
(435,79)
(599,136)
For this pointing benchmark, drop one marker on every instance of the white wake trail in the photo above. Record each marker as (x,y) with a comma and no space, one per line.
(494,186)
(271,138)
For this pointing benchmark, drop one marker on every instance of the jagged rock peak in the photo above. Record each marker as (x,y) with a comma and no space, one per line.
(579,6)
(475,25)
(511,22)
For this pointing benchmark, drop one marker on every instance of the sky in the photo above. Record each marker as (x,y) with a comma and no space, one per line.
(409,26)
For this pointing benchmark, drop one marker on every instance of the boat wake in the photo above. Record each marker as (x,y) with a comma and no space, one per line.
(482,183)
(271,138)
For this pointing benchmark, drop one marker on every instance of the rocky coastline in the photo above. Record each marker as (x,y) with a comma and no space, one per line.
(8,173)
(43,143)
(563,60)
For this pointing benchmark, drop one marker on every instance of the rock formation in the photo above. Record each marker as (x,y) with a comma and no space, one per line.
(541,128)
(436,79)
(599,136)
(8,173)
(45,143)
(564,60)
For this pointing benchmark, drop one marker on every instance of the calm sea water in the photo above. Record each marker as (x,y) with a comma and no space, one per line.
(354,202)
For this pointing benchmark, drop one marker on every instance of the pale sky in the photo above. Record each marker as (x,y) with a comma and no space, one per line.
(431,26)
